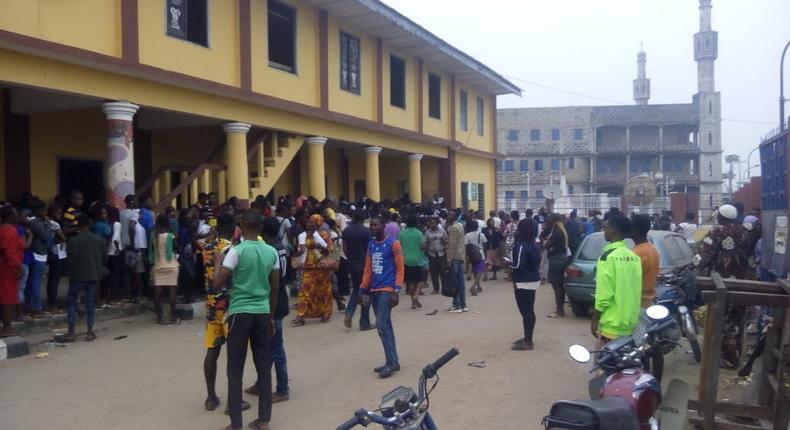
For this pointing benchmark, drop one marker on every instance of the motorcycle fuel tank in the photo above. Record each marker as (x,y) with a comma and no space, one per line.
(640,388)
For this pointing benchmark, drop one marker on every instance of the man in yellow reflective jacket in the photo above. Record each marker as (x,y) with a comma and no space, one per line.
(618,284)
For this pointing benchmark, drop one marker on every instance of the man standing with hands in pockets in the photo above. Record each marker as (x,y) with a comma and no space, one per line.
(381,284)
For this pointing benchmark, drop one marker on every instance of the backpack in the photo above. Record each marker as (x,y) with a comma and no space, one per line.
(473,251)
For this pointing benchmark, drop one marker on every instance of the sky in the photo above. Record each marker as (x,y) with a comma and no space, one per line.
(583,52)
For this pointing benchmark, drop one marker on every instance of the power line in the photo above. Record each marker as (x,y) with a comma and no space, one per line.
(575,93)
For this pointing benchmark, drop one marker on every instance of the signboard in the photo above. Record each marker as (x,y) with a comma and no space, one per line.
(780,235)
(177,18)
(473,191)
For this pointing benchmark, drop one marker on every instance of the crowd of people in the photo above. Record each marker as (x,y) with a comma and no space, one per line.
(327,254)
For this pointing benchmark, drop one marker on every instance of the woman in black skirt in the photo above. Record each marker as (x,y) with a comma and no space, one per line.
(556,246)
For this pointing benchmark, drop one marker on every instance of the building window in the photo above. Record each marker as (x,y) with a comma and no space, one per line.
(710,138)
(397,82)
(524,165)
(480,116)
(464,111)
(710,168)
(434,96)
(539,165)
(512,135)
(570,189)
(539,194)
(578,134)
(188,20)
(508,165)
(555,164)
(524,195)
(349,63)
(534,135)
(555,134)
(498,165)
(282,36)
(510,195)
(571,163)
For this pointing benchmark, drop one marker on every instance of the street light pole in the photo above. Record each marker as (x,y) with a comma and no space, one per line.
(782,89)
(749,162)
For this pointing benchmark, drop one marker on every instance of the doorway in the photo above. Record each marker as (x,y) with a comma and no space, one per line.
(84,175)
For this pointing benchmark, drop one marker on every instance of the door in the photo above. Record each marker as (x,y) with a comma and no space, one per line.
(84,175)
(359,189)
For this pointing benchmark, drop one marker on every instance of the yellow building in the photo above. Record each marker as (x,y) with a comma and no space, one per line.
(240,97)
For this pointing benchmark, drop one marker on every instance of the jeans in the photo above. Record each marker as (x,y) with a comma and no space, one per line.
(383,309)
(33,288)
(75,289)
(55,265)
(356,279)
(279,358)
(457,276)
(525,299)
(23,283)
(252,329)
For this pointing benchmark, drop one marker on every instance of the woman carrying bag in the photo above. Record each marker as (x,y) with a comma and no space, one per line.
(556,246)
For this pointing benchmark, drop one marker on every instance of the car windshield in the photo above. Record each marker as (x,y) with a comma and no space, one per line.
(592,248)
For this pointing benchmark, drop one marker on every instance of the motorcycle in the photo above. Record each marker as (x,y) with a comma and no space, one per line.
(402,408)
(625,396)
(675,292)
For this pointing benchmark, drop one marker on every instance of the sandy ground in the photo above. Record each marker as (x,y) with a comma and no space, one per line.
(153,379)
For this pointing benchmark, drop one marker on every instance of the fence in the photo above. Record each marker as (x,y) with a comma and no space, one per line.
(583,203)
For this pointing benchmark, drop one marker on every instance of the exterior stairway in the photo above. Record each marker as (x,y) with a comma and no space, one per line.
(268,159)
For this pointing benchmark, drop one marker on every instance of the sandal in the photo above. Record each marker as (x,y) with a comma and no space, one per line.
(555,315)
(297,322)
(90,337)
(258,425)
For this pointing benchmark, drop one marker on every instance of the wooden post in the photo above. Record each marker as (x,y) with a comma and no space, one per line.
(169,186)
(185,193)
(714,327)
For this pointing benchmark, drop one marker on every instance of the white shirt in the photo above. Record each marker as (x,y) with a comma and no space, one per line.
(476,238)
(203,228)
(115,237)
(481,225)
(497,222)
(341,220)
(687,230)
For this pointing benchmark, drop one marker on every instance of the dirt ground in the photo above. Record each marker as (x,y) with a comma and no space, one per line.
(153,378)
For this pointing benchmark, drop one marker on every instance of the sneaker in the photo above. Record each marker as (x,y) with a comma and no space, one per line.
(450,309)
(456,311)
(465,310)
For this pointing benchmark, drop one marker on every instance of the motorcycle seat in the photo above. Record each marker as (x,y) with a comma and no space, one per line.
(603,414)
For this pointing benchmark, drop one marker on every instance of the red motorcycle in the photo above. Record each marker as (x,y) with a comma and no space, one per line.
(625,396)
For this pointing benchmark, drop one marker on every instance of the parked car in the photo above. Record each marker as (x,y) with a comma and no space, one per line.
(674,252)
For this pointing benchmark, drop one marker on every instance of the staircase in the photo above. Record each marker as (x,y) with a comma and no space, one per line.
(268,158)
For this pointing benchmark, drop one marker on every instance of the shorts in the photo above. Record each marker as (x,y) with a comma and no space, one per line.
(479,267)
(216,331)
(413,274)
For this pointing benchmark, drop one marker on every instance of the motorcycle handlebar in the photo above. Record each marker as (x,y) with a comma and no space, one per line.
(348,425)
(430,370)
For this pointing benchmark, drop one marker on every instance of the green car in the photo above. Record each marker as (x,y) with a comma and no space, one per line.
(673,250)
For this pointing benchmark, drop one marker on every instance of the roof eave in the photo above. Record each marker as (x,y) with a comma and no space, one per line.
(505,86)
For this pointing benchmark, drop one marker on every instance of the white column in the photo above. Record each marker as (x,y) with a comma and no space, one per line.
(120,151)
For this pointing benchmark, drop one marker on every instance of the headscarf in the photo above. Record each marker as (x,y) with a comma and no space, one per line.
(317,219)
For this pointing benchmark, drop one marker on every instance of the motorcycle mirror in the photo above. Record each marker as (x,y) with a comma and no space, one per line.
(579,353)
(657,312)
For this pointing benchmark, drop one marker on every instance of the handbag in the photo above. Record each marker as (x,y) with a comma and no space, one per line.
(296,262)
(449,289)
(328,262)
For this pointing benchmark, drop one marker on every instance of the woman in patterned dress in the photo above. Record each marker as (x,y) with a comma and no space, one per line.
(315,294)
(509,233)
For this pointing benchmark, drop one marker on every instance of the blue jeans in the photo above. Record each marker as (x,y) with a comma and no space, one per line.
(457,276)
(383,309)
(279,359)
(22,284)
(33,288)
(75,289)
(351,306)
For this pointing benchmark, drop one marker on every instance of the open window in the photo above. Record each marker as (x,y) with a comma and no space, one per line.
(188,20)
(464,111)
(397,82)
(282,36)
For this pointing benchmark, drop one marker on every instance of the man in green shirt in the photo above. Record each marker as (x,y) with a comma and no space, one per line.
(413,243)
(618,284)
(254,266)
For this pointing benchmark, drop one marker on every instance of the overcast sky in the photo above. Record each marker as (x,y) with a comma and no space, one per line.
(589,47)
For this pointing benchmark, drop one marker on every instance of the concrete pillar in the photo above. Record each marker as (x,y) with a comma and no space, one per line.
(592,169)
(194,192)
(238,176)
(315,158)
(168,181)
(156,190)
(372,173)
(205,181)
(661,163)
(120,151)
(185,193)
(661,137)
(627,167)
(415,178)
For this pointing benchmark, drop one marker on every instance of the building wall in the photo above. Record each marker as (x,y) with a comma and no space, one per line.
(332,167)
(470,137)
(93,25)
(429,168)
(183,146)
(405,118)
(219,62)
(356,171)
(362,105)
(475,169)
(393,169)
(432,126)
(302,86)
(70,134)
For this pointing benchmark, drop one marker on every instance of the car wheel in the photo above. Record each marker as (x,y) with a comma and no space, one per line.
(580,309)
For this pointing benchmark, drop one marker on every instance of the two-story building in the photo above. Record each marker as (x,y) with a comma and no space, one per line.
(240,97)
